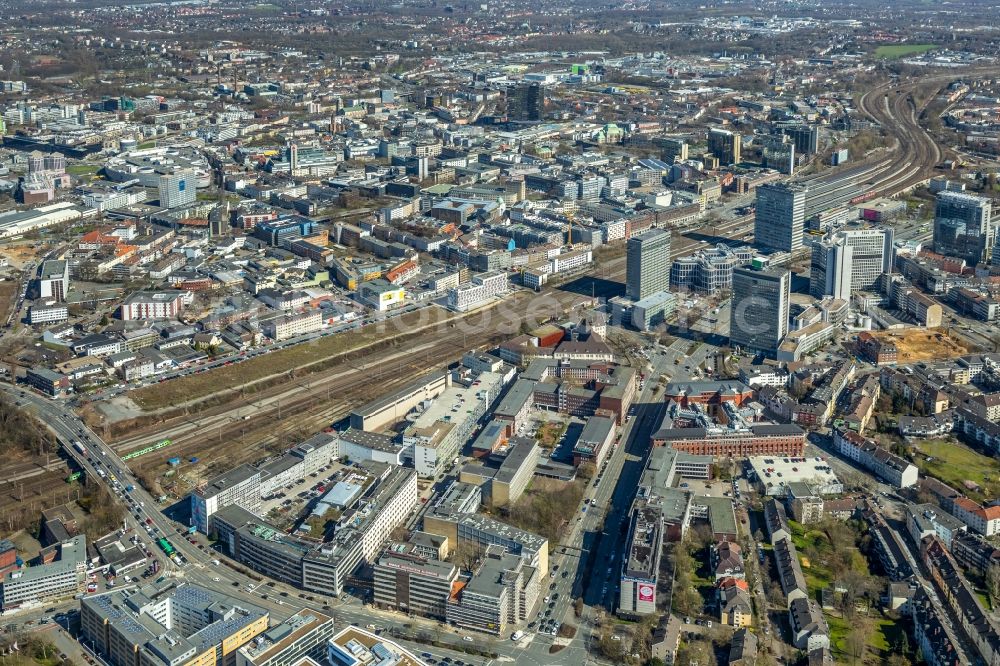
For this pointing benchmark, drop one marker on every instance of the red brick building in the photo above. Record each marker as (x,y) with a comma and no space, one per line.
(8,556)
(708,394)
(877,351)
(757,440)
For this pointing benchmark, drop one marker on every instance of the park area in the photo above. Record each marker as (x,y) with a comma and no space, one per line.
(830,559)
(894,51)
(827,554)
(961,467)
(919,344)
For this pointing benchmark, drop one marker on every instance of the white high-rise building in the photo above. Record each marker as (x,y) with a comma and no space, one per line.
(850,260)
(177,189)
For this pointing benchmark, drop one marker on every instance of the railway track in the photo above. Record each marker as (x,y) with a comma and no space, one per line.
(20,471)
(315,403)
(311,401)
(894,107)
(283,412)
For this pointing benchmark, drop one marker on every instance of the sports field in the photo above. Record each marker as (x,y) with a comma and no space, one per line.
(894,51)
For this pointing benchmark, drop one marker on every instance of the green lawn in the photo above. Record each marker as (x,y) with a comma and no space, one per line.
(886,633)
(954,463)
(83,169)
(839,628)
(893,51)
(817,575)
(817,570)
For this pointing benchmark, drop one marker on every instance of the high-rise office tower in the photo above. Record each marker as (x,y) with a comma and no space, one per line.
(758,319)
(780,217)
(647,268)
(806,138)
(962,226)
(590,188)
(526,102)
(850,260)
(674,150)
(177,189)
(725,145)
(779,154)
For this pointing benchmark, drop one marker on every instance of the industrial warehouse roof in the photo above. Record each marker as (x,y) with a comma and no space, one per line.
(377,405)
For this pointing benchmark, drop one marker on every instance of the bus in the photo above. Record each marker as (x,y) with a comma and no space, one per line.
(73,477)
(167,548)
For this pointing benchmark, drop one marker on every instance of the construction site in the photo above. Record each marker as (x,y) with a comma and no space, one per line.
(923,344)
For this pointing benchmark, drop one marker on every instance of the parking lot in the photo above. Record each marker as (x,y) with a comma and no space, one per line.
(290,500)
(713,488)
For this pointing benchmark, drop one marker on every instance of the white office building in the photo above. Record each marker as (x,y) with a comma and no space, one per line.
(37,584)
(239,486)
(287,326)
(851,260)
(481,290)
(177,189)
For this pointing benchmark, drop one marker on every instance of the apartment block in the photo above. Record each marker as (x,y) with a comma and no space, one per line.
(284,326)
(154,305)
(985,521)
(793,582)
(481,290)
(887,466)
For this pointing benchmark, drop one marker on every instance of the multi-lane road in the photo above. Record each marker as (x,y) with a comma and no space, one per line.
(594,538)
(587,562)
(279,600)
